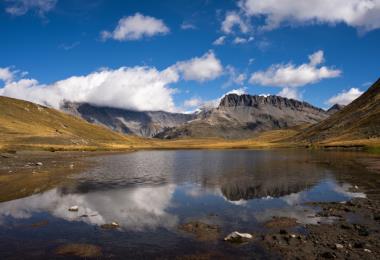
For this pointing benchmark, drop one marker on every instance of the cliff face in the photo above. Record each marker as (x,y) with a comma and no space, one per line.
(241,116)
(141,123)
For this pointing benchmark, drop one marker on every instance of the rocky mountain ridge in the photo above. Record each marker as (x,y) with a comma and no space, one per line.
(241,116)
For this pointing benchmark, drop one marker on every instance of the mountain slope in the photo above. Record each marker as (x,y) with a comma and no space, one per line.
(358,120)
(25,124)
(241,116)
(141,123)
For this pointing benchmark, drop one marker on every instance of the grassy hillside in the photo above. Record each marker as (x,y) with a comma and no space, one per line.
(357,123)
(30,126)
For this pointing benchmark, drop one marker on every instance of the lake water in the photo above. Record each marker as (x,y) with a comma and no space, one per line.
(151,193)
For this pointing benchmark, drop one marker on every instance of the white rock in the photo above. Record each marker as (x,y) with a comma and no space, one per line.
(236,235)
(74,208)
(367,250)
(339,246)
(39,164)
(356,187)
(115,224)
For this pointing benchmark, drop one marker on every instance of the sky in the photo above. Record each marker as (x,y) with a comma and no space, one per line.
(180,55)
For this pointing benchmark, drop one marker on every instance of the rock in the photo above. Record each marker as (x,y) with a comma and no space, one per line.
(74,208)
(367,250)
(356,187)
(339,246)
(112,225)
(39,164)
(237,237)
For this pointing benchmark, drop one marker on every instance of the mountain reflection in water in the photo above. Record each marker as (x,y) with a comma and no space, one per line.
(144,191)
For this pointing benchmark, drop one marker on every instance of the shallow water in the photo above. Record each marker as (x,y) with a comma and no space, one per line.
(150,193)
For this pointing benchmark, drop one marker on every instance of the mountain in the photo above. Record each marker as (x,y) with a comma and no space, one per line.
(241,116)
(146,124)
(358,120)
(335,108)
(27,125)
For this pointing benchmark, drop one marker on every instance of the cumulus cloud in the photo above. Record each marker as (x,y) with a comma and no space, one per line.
(345,97)
(203,68)
(288,75)
(6,74)
(290,93)
(21,7)
(234,20)
(361,14)
(235,78)
(220,40)
(136,27)
(136,88)
(193,102)
(139,88)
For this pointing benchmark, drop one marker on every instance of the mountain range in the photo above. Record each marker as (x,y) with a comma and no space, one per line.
(237,116)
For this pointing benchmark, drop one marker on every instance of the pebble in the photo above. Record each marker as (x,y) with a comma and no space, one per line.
(367,250)
(339,246)
(237,235)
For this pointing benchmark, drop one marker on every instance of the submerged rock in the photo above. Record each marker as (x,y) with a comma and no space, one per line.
(201,230)
(80,250)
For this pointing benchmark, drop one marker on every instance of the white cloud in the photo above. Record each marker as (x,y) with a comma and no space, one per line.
(237,91)
(345,97)
(289,75)
(241,40)
(235,78)
(139,88)
(193,102)
(203,68)
(290,93)
(136,88)
(233,20)
(6,74)
(136,27)
(21,7)
(188,26)
(361,14)
(220,40)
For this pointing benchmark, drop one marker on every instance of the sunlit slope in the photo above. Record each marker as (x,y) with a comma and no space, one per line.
(27,125)
(359,122)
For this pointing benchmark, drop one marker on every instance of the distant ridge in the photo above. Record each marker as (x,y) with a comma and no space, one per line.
(141,123)
(335,108)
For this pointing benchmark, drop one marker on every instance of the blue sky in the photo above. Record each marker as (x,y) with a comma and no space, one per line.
(150,55)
